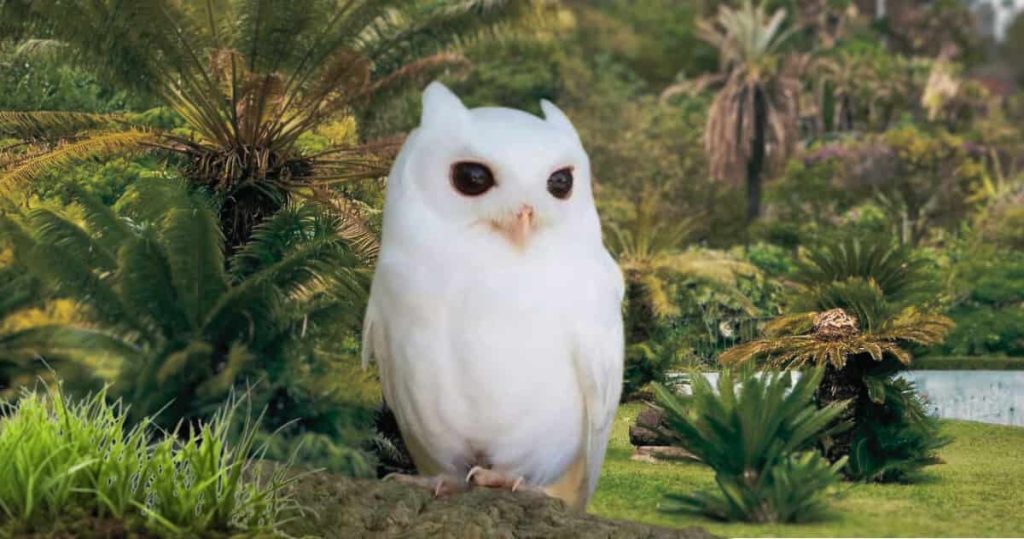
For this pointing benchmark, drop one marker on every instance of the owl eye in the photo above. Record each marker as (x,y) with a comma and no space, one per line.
(472,179)
(560,183)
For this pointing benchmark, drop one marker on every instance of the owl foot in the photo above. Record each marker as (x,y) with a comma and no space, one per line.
(440,485)
(483,477)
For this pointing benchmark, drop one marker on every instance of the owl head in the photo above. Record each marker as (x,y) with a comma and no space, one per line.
(499,176)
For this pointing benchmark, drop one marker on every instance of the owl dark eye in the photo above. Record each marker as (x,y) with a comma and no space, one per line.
(560,183)
(472,179)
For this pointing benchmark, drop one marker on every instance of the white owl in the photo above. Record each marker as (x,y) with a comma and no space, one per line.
(495,309)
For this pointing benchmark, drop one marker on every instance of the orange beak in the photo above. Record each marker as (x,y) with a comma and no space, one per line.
(518,230)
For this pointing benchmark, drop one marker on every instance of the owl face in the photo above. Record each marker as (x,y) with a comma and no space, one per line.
(503,175)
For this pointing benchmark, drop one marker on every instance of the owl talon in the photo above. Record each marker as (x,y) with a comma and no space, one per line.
(483,477)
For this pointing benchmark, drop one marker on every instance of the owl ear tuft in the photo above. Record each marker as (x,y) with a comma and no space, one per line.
(554,116)
(440,105)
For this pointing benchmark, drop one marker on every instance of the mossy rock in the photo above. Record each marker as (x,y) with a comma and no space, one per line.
(347,507)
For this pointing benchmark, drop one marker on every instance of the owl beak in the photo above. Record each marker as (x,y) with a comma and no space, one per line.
(518,231)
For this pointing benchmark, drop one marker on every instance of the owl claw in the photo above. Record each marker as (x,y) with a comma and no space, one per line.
(483,477)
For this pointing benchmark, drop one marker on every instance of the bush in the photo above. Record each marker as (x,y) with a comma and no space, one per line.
(988,312)
(63,459)
(182,326)
(757,432)
(895,437)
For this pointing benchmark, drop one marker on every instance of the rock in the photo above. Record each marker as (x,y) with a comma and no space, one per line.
(650,428)
(346,507)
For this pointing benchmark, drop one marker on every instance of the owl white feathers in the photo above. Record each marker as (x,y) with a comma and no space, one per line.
(495,309)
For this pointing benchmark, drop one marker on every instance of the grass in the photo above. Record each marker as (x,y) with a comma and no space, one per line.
(975,493)
(969,363)
(75,463)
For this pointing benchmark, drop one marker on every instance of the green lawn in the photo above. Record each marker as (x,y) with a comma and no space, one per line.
(978,491)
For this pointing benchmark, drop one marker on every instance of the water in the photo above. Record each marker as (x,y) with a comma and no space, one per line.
(986,396)
(995,397)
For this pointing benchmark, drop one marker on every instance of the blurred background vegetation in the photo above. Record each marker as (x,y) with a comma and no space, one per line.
(192,189)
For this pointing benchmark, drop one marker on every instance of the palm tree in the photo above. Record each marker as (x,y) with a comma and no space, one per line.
(248,77)
(186,325)
(753,118)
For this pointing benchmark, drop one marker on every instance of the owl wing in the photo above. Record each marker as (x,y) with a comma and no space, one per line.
(599,364)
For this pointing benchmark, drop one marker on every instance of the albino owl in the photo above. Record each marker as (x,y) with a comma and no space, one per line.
(495,309)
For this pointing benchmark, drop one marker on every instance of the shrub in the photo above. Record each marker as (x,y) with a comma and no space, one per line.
(757,432)
(63,459)
(187,324)
(989,309)
(894,437)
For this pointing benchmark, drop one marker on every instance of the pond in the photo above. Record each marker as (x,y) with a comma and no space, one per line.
(987,396)
(995,397)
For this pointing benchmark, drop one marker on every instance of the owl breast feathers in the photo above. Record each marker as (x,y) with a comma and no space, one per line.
(494,313)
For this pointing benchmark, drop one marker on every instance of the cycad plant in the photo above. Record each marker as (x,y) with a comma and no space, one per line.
(861,353)
(757,431)
(188,326)
(248,78)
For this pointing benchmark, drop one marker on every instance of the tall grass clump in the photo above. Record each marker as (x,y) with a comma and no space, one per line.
(64,459)
(757,432)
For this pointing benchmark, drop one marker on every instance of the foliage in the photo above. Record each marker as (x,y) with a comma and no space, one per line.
(58,456)
(657,39)
(794,351)
(989,291)
(34,81)
(870,276)
(755,432)
(681,305)
(924,29)
(249,79)
(923,179)
(28,325)
(895,437)
(860,307)
(759,99)
(187,325)
(982,460)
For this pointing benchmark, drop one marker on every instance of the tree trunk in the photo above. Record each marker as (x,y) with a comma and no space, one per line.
(755,165)
(837,385)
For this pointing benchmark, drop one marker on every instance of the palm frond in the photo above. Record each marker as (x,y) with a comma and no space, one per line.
(52,230)
(107,229)
(63,342)
(146,285)
(53,126)
(95,145)
(194,247)
(352,226)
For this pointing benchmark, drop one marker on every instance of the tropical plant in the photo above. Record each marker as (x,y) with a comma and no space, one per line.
(862,86)
(757,432)
(895,436)
(853,361)
(870,276)
(666,283)
(249,79)
(76,464)
(757,105)
(27,330)
(189,326)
